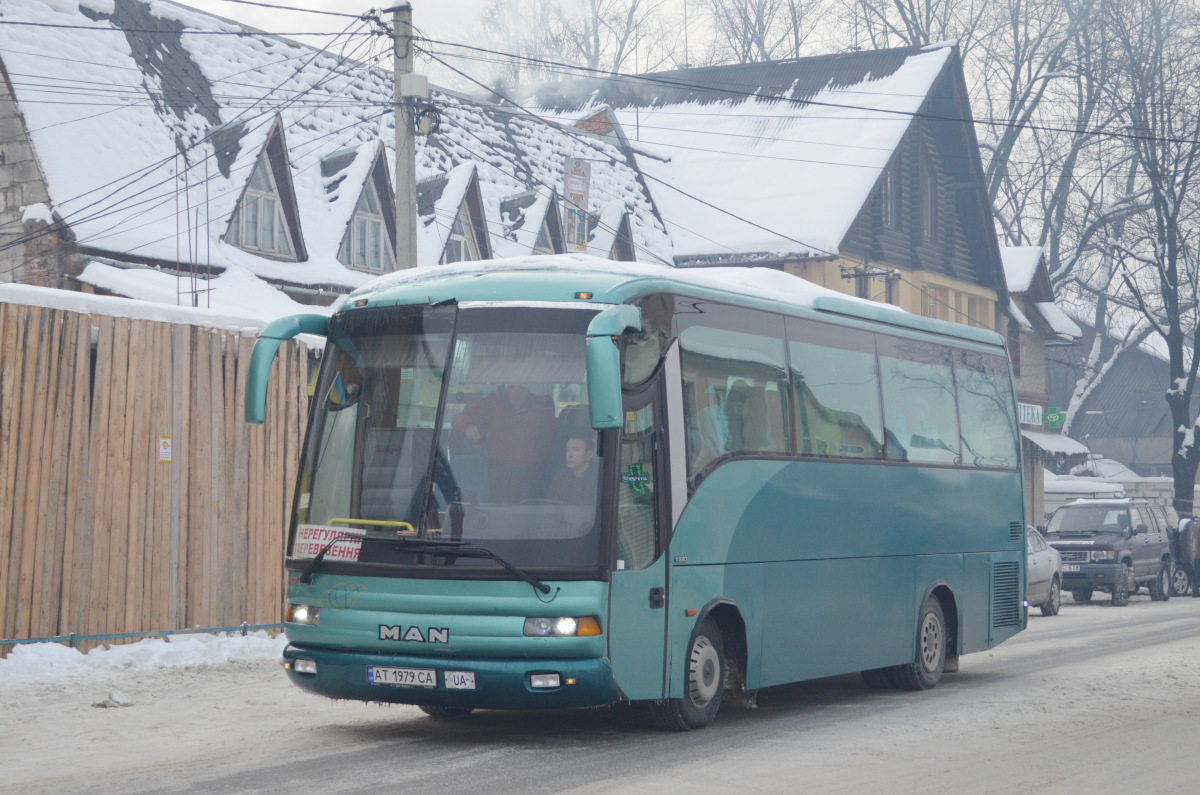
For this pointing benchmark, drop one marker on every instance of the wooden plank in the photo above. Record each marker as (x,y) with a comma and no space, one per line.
(160,567)
(93,533)
(13,321)
(200,534)
(181,357)
(119,456)
(31,449)
(222,562)
(80,327)
(235,506)
(140,449)
(48,589)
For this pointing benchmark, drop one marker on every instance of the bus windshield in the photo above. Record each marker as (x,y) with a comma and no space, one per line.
(466,424)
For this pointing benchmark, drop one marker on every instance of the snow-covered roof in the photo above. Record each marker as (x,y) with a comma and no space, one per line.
(1055,443)
(190,101)
(1020,265)
(744,145)
(1016,314)
(1059,322)
(1069,484)
(216,316)
(1105,468)
(762,283)
(236,292)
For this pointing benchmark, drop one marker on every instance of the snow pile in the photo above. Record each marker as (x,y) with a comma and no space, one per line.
(54,660)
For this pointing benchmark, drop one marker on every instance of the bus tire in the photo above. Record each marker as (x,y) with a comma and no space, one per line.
(445,713)
(925,671)
(705,682)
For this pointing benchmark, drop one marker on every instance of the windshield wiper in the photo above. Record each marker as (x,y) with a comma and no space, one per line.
(462,549)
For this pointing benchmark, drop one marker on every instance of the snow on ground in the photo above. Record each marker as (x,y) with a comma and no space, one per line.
(1095,699)
(52,661)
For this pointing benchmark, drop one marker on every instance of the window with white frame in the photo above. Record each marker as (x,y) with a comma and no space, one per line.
(258,224)
(462,246)
(367,245)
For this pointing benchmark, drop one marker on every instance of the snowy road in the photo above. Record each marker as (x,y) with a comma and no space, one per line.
(1096,699)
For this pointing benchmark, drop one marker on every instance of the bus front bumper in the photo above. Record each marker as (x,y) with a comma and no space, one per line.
(497,683)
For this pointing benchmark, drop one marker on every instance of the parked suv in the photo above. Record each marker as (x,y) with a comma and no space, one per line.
(1113,546)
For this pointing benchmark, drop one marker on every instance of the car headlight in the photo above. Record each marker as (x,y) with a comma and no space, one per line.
(565,627)
(303,614)
(1103,554)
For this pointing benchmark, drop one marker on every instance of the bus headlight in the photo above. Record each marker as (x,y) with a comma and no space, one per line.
(303,614)
(1103,554)
(565,627)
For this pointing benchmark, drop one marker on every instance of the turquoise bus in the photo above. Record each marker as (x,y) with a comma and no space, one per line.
(566,482)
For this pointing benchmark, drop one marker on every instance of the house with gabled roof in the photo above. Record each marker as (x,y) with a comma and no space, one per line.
(253,153)
(858,171)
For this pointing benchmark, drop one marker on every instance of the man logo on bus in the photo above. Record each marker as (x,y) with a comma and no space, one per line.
(434,634)
(635,478)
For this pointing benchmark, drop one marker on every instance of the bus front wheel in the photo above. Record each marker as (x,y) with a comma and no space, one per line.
(925,671)
(705,682)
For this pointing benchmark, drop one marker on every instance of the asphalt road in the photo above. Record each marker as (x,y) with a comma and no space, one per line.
(1117,689)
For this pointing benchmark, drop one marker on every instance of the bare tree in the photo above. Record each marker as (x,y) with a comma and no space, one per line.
(1159,41)
(614,35)
(750,31)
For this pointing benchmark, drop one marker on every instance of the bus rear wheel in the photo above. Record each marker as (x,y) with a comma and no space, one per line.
(704,686)
(925,671)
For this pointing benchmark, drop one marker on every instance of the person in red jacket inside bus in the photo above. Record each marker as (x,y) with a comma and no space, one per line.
(517,430)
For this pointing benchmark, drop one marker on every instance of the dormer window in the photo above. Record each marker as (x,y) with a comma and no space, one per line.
(258,224)
(367,245)
(543,244)
(461,246)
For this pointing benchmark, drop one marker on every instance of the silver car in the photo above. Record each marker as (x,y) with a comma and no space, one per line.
(1043,571)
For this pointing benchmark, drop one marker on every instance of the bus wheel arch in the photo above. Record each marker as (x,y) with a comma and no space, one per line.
(941,591)
(932,645)
(732,625)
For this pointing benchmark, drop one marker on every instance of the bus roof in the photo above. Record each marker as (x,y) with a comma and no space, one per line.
(581,277)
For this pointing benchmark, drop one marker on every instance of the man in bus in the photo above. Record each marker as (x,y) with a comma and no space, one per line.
(517,430)
(576,485)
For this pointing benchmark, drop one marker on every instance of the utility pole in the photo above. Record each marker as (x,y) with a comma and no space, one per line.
(409,87)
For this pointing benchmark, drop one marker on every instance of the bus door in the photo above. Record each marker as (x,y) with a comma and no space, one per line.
(638,592)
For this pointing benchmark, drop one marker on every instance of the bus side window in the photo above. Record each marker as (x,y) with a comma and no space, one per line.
(918,399)
(986,411)
(734,381)
(836,382)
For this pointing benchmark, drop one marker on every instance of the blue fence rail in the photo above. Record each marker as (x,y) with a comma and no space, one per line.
(71,638)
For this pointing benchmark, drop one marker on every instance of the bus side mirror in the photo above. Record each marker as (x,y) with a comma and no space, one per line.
(604,363)
(268,342)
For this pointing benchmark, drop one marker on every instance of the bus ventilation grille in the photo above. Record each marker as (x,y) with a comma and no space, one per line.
(1015,531)
(1006,601)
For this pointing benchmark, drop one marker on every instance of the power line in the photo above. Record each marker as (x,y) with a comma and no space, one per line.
(580,136)
(658,80)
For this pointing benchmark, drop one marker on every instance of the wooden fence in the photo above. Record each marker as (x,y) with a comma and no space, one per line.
(133,497)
